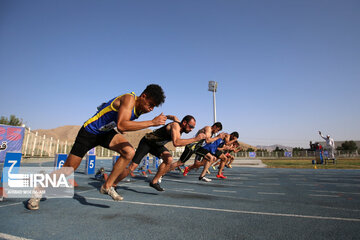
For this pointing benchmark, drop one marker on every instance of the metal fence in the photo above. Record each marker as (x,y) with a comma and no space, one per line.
(42,146)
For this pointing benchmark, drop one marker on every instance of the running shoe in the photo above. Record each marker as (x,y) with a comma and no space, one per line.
(220,176)
(34,201)
(205,179)
(33,204)
(213,167)
(111,192)
(186,171)
(156,186)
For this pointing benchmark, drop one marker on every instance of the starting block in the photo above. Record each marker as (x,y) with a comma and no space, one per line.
(143,168)
(90,164)
(12,162)
(59,161)
(114,159)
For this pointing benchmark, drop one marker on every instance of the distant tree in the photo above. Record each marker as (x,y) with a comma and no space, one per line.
(13,121)
(298,149)
(250,150)
(348,146)
(261,150)
(277,149)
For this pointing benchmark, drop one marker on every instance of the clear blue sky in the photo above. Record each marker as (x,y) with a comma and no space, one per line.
(285,68)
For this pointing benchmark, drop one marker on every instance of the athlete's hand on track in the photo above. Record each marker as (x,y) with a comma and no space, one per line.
(159,120)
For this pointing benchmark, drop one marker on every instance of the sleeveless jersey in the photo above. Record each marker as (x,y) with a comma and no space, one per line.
(105,119)
(212,147)
(159,136)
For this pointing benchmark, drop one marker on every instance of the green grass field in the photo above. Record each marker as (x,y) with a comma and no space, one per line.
(342,163)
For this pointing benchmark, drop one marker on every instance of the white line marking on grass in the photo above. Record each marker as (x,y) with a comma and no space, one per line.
(271,193)
(233,211)
(11,237)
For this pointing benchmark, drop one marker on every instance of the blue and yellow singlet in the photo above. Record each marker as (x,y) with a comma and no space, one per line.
(106,117)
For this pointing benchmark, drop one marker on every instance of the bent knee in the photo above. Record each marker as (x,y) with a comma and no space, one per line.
(128,153)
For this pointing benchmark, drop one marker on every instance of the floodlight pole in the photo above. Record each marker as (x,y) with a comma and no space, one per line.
(212,88)
(214,104)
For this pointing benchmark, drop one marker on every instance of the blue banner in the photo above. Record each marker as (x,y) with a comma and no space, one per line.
(288,154)
(11,140)
(252,154)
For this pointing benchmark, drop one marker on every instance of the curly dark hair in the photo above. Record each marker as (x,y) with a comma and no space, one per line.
(156,93)
(235,134)
(218,125)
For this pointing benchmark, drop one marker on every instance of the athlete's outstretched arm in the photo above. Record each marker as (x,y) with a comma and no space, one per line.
(127,103)
(173,118)
(176,137)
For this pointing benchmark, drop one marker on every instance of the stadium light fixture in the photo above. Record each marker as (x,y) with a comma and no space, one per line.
(213,88)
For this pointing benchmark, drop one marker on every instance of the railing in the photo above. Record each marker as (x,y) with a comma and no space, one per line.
(42,146)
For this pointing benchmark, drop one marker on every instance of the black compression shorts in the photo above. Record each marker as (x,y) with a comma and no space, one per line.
(188,152)
(86,141)
(146,147)
(218,153)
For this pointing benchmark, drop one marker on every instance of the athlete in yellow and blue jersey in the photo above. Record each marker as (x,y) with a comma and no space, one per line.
(106,117)
(105,128)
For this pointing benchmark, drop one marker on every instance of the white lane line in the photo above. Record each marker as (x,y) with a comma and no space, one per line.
(208,183)
(12,204)
(11,237)
(232,211)
(199,193)
(87,190)
(271,193)
(238,178)
(322,195)
(270,184)
(224,191)
(336,192)
(344,184)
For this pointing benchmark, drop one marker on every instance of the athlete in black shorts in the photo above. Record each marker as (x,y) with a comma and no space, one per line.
(197,148)
(154,143)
